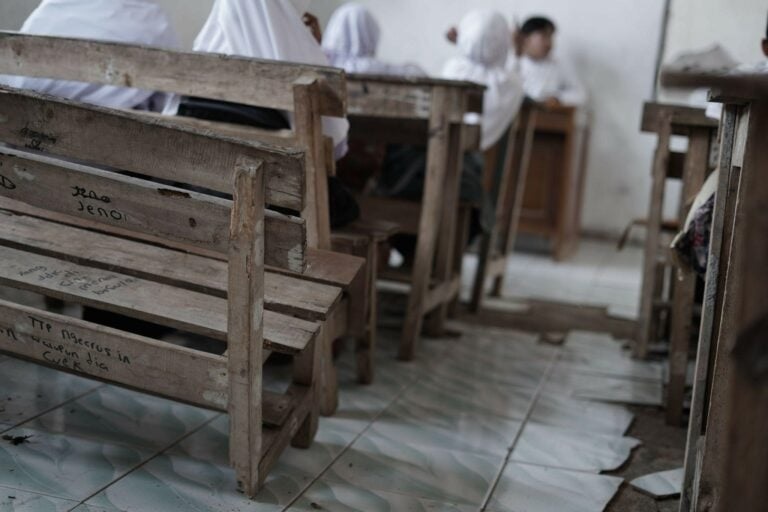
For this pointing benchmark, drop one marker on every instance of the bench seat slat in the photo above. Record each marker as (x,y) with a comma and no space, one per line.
(143,299)
(282,293)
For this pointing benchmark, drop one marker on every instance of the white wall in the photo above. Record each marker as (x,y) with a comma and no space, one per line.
(613,44)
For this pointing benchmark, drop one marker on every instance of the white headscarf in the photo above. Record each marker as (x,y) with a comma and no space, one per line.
(484,41)
(350,42)
(267,29)
(126,21)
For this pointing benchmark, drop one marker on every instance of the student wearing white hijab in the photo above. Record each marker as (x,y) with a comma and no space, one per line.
(483,39)
(127,21)
(484,43)
(350,42)
(266,29)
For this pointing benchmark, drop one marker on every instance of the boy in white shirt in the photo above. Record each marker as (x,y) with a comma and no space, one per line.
(544,78)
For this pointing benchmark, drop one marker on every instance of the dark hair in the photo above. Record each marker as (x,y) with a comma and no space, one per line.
(537,24)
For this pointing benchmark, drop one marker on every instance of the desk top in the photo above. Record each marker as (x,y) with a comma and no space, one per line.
(724,85)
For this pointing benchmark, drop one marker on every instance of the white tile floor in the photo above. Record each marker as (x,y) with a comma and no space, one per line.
(491,421)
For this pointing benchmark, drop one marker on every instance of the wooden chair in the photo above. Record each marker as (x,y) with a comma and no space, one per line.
(431,112)
(309,92)
(663,292)
(726,463)
(513,155)
(554,189)
(98,268)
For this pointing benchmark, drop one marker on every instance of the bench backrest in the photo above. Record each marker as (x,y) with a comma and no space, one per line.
(308,91)
(46,135)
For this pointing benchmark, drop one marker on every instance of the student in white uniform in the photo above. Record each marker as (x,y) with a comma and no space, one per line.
(265,29)
(545,79)
(351,40)
(483,40)
(125,21)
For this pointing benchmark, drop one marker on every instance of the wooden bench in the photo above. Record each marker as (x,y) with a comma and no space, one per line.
(386,109)
(508,188)
(98,268)
(555,186)
(667,300)
(309,92)
(726,463)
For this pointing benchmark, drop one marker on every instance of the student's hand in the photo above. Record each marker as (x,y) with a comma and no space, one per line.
(452,35)
(551,102)
(312,22)
(517,42)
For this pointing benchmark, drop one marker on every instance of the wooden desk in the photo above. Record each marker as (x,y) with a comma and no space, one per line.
(555,183)
(727,455)
(666,301)
(387,109)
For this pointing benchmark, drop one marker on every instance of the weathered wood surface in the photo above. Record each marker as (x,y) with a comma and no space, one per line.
(739,87)
(683,117)
(151,147)
(429,223)
(652,237)
(285,294)
(158,69)
(159,210)
(405,98)
(143,299)
(245,323)
(683,296)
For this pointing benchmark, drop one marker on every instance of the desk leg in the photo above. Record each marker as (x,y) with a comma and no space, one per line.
(660,164)
(429,223)
(444,259)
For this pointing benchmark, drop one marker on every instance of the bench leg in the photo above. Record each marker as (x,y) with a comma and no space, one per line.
(367,344)
(329,379)
(245,326)
(305,374)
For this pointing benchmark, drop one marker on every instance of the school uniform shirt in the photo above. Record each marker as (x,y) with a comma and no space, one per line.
(126,21)
(351,40)
(484,44)
(266,29)
(549,78)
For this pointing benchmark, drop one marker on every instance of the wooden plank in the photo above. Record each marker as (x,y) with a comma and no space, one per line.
(437,160)
(134,204)
(694,173)
(152,147)
(736,87)
(406,98)
(282,293)
(444,267)
(142,299)
(309,132)
(405,214)
(158,69)
(683,117)
(705,346)
(107,354)
(745,468)
(246,326)
(658,176)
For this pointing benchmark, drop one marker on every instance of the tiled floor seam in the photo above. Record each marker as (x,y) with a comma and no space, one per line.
(57,406)
(360,434)
(539,389)
(145,462)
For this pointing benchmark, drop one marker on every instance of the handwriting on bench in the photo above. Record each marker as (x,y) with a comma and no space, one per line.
(64,346)
(98,285)
(6,183)
(82,195)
